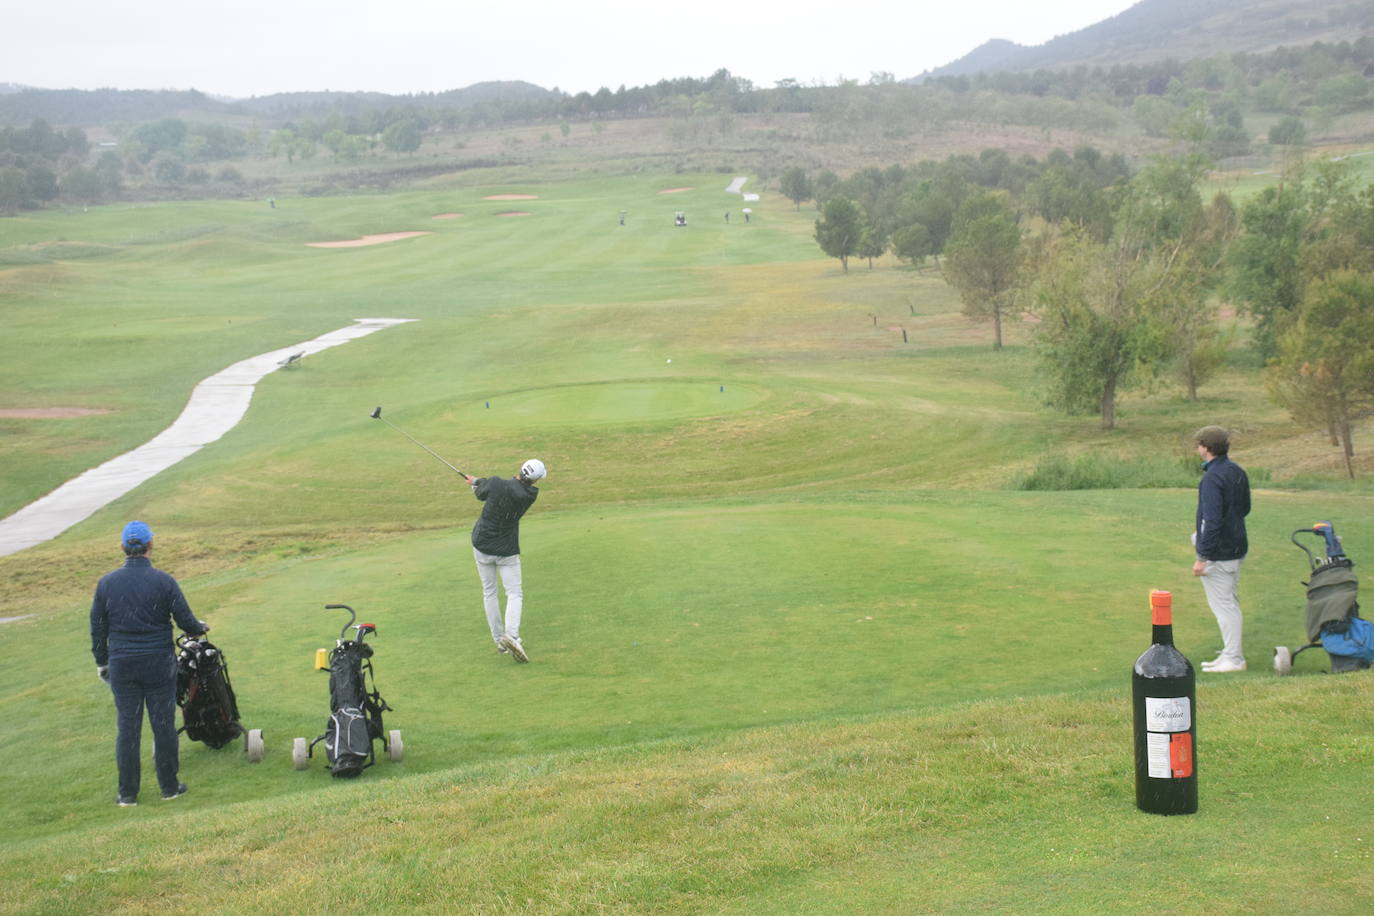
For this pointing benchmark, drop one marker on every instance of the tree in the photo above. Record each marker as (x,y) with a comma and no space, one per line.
(403,136)
(796,186)
(1199,346)
(333,141)
(1267,272)
(283,141)
(1092,338)
(14,189)
(1290,131)
(824,185)
(168,167)
(158,136)
(1325,368)
(872,243)
(912,243)
(1109,312)
(840,229)
(82,184)
(982,259)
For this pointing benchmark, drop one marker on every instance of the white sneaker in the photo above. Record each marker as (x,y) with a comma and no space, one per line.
(512,645)
(501,645)
(1223,666)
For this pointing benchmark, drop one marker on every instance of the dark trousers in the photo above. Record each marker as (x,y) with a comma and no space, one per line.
(138,681)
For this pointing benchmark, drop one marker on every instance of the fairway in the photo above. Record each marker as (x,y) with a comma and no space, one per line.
(797,645)
(599,403)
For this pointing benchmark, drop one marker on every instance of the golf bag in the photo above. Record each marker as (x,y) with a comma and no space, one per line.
(1333,619)
(355,720)
(356,707)
(209,709)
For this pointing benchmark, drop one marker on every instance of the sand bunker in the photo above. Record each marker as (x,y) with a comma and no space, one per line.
(512,197)
(368,240)
(49,413)
(675,190)
(514,213)
(447,216)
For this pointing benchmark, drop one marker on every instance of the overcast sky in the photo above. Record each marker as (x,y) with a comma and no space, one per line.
(257,47)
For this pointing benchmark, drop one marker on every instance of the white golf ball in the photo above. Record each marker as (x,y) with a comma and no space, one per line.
(670,360)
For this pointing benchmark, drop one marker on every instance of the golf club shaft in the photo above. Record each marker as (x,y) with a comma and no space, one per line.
(421,444)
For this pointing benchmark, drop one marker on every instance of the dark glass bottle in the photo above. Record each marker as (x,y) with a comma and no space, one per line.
(1163,694)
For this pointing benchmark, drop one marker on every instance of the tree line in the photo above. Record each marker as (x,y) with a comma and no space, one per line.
(1123,277)
(1199,100)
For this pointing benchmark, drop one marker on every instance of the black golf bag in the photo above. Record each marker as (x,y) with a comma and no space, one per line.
(1333,611)
(209,709)
(355,718)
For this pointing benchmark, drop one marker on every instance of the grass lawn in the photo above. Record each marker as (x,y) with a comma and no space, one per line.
(797,644)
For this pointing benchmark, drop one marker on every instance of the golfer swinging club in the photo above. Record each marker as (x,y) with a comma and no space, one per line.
(496,548)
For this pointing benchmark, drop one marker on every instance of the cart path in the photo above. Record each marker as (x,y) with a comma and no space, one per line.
(737,187)
(216,406)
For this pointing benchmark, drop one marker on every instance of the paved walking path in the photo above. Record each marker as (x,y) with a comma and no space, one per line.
(216,406)
(737,187)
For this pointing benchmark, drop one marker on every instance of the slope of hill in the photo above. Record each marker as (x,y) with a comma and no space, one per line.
(1182,29)
(288,103)
(90,107)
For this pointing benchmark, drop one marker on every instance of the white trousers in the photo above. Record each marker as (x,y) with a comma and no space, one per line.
(507,569)
(1220,582)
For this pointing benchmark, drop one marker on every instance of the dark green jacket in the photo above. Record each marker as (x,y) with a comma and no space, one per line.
(497,532)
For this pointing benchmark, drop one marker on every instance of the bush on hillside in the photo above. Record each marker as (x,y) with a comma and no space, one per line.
(1098,472)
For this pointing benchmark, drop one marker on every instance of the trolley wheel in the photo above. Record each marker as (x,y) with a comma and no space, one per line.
(252,745)
(1283,660)
(394,745)
(300,754)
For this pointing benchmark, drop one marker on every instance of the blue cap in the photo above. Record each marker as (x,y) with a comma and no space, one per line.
(136,533)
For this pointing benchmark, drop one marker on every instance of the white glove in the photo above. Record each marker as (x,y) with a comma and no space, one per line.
(103,672)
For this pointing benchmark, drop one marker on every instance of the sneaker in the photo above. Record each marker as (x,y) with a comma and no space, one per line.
(126,801)
(512,644)
(1223,666)
(179,791)
(501,646)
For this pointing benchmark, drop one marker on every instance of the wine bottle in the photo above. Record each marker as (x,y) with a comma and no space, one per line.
(1164,704)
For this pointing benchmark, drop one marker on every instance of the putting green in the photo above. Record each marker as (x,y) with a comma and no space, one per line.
(623,401)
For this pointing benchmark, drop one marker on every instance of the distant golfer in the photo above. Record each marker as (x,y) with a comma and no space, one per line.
(131,638)
(1223,501)
(496,548)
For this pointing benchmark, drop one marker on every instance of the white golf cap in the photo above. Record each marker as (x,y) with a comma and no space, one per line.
(533,469)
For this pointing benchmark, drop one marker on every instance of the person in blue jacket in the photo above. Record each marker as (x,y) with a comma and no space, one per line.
(1223,501)
(131,639)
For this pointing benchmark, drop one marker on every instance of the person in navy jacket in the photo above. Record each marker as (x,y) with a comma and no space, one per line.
(1223,501)
(131,639)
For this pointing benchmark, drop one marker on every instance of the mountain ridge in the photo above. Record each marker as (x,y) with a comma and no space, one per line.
(1153,30)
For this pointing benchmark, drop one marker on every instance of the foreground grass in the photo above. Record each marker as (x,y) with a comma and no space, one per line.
(1023,805)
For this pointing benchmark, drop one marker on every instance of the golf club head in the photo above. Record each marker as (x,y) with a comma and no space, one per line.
(376,413)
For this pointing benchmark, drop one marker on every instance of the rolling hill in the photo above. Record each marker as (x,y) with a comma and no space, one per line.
(1181,29)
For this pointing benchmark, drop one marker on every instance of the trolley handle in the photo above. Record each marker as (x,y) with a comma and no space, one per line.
(1327,533)
(352,616)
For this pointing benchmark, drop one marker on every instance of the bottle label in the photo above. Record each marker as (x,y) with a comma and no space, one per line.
(1168,714)
(1170,756)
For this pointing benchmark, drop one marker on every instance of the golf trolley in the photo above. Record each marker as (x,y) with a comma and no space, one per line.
(209,711)
(1333,619)
(355,718)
